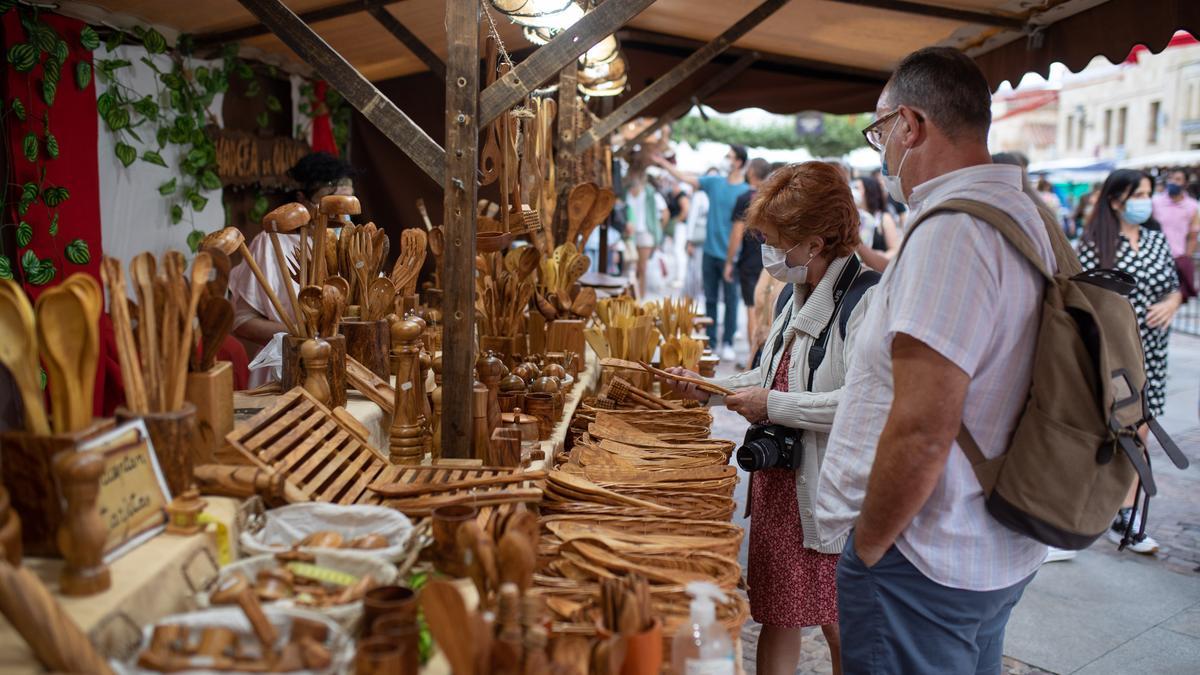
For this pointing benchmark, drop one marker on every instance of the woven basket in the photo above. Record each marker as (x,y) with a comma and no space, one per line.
(591,560)
(684,534)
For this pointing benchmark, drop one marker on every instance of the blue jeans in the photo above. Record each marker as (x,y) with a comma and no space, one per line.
(893,619)
(714,280)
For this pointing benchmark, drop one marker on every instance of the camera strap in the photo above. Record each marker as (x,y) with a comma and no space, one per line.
(816,352)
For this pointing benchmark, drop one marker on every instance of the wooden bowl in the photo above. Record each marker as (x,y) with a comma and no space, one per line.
(490,242)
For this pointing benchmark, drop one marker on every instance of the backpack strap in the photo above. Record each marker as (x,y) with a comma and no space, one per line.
(858,289)
(841,293)
(997,218)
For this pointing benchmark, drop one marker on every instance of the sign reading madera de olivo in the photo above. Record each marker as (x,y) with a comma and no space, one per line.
(244,158)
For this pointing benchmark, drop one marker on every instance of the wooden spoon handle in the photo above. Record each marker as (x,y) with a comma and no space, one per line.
(703,385)
(262,281)
(294,325)
(418,489)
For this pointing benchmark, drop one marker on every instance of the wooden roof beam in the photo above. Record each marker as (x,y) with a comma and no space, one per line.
(708,89)
(351,84)
(323,14)
(553,56)
(409,40)
(942,12)
(678,74)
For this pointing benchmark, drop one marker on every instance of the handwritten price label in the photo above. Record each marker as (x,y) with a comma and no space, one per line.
(133,494)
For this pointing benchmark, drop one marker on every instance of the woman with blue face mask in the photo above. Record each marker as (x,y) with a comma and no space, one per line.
(1121,235)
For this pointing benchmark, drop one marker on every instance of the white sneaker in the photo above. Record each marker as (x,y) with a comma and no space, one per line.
(727,353)
(1146,545)
(1059,555)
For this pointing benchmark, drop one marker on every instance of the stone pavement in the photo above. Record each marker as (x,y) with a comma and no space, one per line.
(1106,611)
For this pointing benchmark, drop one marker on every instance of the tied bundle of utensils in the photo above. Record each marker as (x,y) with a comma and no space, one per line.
(154,359)
(64,331)
(559,294)
(625,613)
(503,289)
(628,330)
(511,640)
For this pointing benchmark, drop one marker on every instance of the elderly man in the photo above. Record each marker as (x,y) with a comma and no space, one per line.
(928,578)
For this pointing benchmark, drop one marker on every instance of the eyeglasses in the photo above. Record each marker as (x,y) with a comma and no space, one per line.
(873,132)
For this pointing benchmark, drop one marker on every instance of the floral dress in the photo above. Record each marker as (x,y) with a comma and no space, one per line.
(790,586)
(1154,268)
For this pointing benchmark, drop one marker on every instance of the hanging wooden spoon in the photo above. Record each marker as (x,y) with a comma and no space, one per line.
(311,301)
(579,204)
(18,353)
(489,157)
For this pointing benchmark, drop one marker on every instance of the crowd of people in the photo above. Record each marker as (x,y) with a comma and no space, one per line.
(899,360)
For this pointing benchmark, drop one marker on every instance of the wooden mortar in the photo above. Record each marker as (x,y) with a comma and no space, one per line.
(368,342)
(172,434)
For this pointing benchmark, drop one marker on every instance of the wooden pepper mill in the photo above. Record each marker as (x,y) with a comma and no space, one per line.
(82,534)
(480,436)
(406,444)
(435,399)
(315,355)
(490,369)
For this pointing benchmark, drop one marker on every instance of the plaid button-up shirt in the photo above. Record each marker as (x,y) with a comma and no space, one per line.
(963,291)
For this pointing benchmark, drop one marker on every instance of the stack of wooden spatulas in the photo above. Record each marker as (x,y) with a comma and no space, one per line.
(154,364)
(560,296)
(587,206)
(503,288)
(64,331)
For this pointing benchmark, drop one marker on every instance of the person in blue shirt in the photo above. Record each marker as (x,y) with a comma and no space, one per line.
(723,191)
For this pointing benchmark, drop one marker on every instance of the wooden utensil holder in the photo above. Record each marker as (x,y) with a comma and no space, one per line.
(566,335)
(447,557)
(536,330)
(212,394)
(385,601)
(173,435)
(369,342)
(29,478)
(293,368)
(503,347)
(541,406)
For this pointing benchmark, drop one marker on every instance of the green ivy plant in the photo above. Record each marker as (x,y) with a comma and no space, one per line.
(43,45)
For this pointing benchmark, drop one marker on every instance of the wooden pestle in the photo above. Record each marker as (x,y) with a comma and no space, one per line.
(231,239)
(237,589)
(241,481)
(82,533)
(315,354)
(287,218)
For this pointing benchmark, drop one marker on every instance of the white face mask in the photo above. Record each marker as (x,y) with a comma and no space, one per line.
(725,166)
(895,188)
(775,263)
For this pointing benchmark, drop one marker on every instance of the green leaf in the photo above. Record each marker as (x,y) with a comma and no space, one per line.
(154,42)
(273,104)
(104,104)
(244,70)
(23,56)
(77,252)
(185,123)
(259,209)
(172,81)
(29,192)
(83,74)
(42,378)
(29,261)
(30,146)
(117,119)
(53,196)
(51,146)
(198,202)
(18,109)
(54,225)
(49,88)
(176,214)
(194,238)
(42,273)
(24,234)
(61,51)
(136,136)
(263,120)
(43,37)
(253,89)
(196,157)
(5,268)
(88,39)
(126,153)
(209,180)
(114,40)
(153,158)
(146,107)
(162,136)
(167,188)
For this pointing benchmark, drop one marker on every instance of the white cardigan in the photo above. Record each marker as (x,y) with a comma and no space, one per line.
(800,324)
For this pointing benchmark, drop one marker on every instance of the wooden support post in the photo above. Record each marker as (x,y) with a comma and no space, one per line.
(707,89)
(461,190)
(679,73)
(351,84)
(555,55)
(564,162)
(409,40)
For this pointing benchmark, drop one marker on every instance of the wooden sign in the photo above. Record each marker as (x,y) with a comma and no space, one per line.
(243,158)
(133,492)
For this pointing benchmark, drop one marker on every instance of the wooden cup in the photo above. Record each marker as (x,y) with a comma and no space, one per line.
(402,632)
(212,394)
(388,601)
(378,656)
(368,342)
(293,367)
(172,434)
(644,652)
(541,406)
(28,474)
(447,558)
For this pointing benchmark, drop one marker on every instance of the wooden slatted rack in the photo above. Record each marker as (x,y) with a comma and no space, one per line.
(445,472)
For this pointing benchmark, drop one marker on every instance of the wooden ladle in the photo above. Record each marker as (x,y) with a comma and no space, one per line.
(18,352)
(231,239)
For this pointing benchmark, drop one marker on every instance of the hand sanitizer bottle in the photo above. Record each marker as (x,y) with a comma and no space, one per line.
(703,646)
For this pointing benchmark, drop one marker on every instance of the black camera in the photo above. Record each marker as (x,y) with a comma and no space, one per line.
(770,446)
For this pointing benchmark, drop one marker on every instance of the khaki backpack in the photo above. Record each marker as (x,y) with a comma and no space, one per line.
(1075,449)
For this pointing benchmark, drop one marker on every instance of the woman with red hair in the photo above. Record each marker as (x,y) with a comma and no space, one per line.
(805,219)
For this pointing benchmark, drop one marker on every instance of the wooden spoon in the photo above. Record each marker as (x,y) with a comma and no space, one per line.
(447,618)
(332,301)
(311,304)
(201,266)
(584,303)
(286,218)
(61,320)
(216,320)
(381,296)
(219,283)
(91,300)
(340,283)
(437,246)
(18,352)
(601,208)
(143,269)
(517,560)
(579,204)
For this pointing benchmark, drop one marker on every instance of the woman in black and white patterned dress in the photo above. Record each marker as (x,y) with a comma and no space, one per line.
(1115,238)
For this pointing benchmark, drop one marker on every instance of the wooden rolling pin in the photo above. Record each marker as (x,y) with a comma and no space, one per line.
(402,490)
(56,641)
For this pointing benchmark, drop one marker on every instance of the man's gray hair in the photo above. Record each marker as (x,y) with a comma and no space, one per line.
(948,87)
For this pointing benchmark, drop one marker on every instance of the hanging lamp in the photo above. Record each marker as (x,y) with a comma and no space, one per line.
(557,14)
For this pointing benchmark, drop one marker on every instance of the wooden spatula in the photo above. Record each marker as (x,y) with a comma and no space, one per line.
(18,353)
(579,204)
(61,319)
(216,320)
(448,620)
